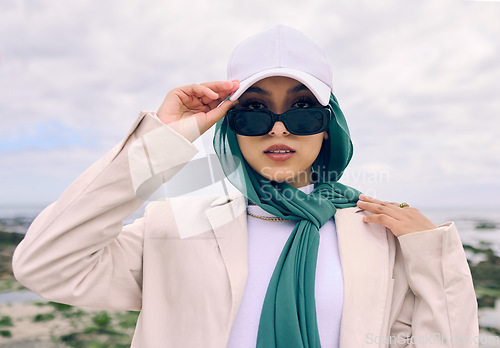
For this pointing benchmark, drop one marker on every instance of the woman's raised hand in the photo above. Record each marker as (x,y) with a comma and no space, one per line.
(191,110)
(399,220)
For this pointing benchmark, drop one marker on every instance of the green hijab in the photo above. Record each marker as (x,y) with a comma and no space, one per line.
(288,317)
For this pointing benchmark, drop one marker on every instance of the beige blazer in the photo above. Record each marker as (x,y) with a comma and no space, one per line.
(184,264)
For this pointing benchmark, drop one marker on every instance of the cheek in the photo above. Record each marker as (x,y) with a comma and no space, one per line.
(310,150)
(245,144)
(314,144)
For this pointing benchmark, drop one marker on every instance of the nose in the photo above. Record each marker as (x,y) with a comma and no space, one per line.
(279,129)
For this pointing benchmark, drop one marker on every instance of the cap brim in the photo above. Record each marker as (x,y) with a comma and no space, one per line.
(320,89)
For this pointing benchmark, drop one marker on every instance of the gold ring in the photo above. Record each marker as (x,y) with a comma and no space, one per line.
(404,204)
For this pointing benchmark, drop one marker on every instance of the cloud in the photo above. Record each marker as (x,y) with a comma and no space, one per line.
(417,81)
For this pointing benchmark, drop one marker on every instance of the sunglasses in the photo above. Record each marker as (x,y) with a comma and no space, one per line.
(252,122)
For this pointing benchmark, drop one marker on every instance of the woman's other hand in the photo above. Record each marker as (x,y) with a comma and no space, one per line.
(197,106)
(400,221)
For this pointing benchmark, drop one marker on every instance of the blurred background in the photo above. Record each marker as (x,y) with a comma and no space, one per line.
(418,81)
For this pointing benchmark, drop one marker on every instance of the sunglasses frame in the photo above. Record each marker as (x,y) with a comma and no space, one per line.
(326,111)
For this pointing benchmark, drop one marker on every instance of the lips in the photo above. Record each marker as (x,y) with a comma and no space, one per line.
(279,148)
(279,152)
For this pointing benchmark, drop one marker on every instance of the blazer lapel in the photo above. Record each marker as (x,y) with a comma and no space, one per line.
(365,256)
(366,266)
(228,218)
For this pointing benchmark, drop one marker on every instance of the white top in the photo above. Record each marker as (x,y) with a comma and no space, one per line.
(265,243)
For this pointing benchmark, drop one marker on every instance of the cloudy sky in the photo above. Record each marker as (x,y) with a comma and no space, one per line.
(418,80)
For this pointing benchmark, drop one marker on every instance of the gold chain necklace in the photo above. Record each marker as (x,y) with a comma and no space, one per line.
(268,218)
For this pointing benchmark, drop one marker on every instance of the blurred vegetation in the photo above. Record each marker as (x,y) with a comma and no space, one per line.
(10,238)
(6,321)
(5,333)
(486,225)
(43,317)
(486,273)
(486,276)
(8,242)
(103,332)
(89,329)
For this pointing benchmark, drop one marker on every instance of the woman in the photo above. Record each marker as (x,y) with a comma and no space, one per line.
(302,263)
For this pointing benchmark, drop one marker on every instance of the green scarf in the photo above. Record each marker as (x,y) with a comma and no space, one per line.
(288,317)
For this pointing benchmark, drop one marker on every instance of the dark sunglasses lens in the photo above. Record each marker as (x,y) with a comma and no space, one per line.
(251,123)
(306,122)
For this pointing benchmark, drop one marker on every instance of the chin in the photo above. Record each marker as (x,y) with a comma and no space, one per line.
(282,174)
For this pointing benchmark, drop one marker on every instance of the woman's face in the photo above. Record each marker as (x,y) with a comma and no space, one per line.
(280,94)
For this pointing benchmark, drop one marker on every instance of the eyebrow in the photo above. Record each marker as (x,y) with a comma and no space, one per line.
(298,88)
(258,90)
(253,89)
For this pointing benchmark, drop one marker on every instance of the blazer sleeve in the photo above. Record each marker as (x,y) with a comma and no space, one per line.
(440,306)
(77,251)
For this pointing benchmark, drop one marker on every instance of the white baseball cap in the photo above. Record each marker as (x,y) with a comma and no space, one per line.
(281,51)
